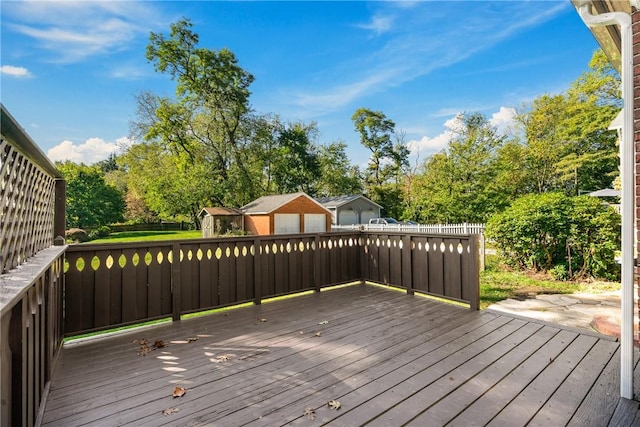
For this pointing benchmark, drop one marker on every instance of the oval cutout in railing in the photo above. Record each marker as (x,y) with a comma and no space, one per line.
(148,258)
(419,246)
(378,242)
(108,262)
(301,246)
(218,253)
(80,264)
(189,255)
(199,254)
(159,258)
(244,251)
(288,247)
(227,252)
(266,249)
(209,254)
(389,243)
(459,248)
(330,244)
(443,247)
(95,263)
(170,256)
(451,248)
(252,250)
(274,248)
(236,251)
(122,261)
(135,259)
(400,244)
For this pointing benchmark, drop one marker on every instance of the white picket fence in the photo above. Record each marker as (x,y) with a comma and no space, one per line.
(464,228)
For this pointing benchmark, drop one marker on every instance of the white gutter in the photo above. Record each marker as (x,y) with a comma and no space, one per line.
(626,170)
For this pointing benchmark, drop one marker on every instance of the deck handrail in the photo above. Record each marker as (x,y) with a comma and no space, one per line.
(32,212)
(112,285)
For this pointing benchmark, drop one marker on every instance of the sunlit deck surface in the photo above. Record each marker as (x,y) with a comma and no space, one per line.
(388,358)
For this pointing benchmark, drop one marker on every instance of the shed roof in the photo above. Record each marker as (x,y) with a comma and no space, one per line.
(337,201)
(267,204)
(221,211)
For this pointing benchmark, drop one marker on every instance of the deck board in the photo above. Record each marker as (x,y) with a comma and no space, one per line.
(387,357)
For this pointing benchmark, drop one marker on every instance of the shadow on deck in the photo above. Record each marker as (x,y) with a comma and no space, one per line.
(389,358)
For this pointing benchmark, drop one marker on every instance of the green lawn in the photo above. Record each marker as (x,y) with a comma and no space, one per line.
(149,236)
(497,285)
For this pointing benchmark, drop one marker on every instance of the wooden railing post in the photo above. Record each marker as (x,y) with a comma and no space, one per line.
(316,264)
(176,284)
(257,272)
(407,264)
(473,274)
(59,219)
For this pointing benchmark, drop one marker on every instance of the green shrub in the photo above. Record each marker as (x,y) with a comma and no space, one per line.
(76,235)
(560,272)
(543,231)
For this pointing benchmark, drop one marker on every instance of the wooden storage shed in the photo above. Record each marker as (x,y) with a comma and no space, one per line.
(349,210)
(216,221)
(286,214)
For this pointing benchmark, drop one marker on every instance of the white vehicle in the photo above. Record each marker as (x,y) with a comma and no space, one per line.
(383,221)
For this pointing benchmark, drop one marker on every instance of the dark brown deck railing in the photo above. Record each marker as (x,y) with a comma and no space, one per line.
(31,280)
(111,285)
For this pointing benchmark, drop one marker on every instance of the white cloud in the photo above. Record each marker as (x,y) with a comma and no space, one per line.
(504,120)
(73,31)
(19,72)
(413,50)
(379,24)
(91,151)
(430,145)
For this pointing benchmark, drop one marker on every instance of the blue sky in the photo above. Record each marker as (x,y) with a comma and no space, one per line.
(70,70)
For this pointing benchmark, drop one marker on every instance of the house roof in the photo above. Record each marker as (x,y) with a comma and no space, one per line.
(337,201)
(267,204)
(221,211)
(609,36)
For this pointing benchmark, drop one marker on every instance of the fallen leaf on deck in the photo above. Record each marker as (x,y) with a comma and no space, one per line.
(144,349)
(179,391)
(334,404)
(310,413)
(318,334)
(324,322)
(222,358)
(262,319)
(301,333)
(170,411)
(159,344)
(144,341)
(192,339)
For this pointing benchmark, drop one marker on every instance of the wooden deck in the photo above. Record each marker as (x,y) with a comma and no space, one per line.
(389,358)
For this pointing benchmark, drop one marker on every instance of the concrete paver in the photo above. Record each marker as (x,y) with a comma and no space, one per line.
(593,312)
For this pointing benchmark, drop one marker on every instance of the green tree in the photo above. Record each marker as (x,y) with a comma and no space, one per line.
(337,175)
(458,184)
(90,200)
(568,144)
(388,161)
(169,184)
(205,121)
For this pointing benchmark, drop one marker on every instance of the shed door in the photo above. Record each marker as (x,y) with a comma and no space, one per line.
(365,216)
(286,223)
(348,218)
(315,223)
